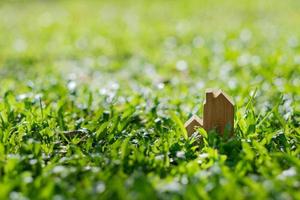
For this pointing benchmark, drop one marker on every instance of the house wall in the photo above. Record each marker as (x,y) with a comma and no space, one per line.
(218,114)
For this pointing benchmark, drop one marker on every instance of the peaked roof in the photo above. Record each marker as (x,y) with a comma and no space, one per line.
(194,118)
(217,92)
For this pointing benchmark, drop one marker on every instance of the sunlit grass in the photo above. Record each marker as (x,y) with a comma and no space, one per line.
(94,96)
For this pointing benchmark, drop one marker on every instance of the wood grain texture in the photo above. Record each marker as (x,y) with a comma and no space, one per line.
(218,112)
(192,124)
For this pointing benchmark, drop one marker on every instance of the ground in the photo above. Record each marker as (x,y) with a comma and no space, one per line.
(94,95)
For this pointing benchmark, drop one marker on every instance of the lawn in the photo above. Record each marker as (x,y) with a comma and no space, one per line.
(94,95)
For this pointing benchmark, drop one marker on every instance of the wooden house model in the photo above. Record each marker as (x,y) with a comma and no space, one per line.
(218,114)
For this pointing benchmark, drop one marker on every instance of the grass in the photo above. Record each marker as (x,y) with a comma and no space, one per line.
(94,96)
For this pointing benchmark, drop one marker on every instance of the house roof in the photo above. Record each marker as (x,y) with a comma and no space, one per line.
(194,118)
(217,92)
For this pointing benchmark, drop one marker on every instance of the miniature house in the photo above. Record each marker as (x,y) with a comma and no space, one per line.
(218,114)
(193,123)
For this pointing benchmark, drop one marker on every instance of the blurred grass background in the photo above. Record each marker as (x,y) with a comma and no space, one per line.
(195,44)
